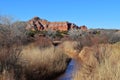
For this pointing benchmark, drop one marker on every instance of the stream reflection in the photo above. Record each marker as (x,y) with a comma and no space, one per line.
(69,71)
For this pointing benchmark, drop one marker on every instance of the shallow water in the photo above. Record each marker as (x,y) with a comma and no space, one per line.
(69,72)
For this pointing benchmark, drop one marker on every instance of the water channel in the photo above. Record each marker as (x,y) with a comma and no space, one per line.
(69,71)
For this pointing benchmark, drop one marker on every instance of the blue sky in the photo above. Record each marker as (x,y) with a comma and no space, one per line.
(92,13)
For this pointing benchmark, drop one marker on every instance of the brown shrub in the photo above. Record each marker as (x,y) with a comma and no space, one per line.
(10,49)
(42,42)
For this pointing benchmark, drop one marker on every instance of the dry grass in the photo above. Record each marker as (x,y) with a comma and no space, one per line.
(7,75)
(69,48)
(33,63)
(43,63)
(99,63)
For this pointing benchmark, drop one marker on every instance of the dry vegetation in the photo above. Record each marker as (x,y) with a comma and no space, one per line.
(26,55)
(43,63)
(24,58)
(98,59)
(10,50)
(99,63)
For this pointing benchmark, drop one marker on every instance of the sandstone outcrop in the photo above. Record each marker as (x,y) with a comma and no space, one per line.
(37,24)
(40,24)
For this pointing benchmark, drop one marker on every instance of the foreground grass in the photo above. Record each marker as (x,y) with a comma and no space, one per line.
(43,63)
(99,63)
(37,64)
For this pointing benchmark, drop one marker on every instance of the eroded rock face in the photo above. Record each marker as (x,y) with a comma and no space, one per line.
(39,24)
(62,26)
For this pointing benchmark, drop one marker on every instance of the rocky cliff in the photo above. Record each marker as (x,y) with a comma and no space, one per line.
(40,24)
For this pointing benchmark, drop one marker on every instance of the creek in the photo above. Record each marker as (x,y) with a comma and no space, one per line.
(67,75)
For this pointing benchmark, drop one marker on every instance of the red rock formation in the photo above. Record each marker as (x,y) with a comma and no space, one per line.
(40,24)
(84,28)
(58,26)
(37,24)
(62,26)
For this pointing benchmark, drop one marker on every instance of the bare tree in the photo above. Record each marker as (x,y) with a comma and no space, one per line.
(51,34)
(76,33)
(115,37)
(10,46)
